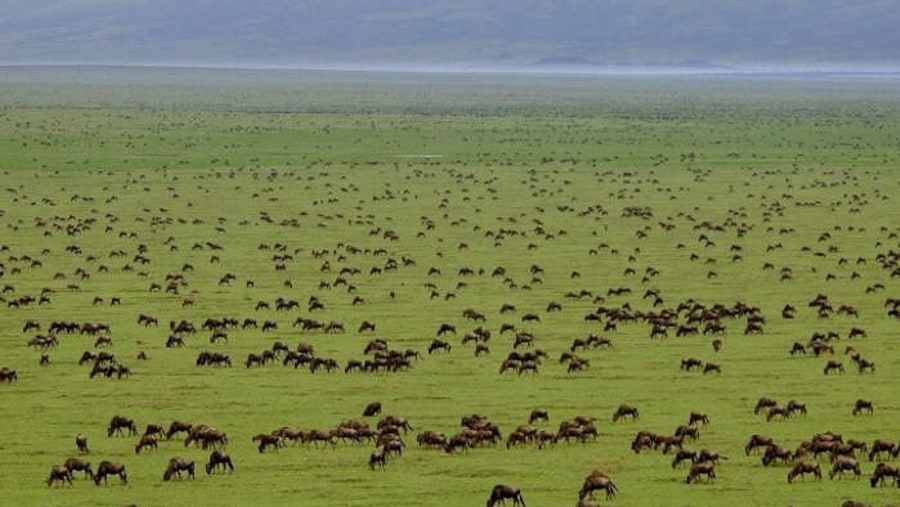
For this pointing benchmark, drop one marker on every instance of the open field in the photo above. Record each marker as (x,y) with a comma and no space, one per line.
(687,191)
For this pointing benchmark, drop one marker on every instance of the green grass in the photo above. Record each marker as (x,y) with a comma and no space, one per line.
(327,179)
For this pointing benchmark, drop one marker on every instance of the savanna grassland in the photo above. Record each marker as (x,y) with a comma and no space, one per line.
(372,196)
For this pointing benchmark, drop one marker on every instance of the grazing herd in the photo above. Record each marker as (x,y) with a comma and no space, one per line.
(516,339)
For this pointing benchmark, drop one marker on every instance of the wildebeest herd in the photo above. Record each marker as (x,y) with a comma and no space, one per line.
(622,311)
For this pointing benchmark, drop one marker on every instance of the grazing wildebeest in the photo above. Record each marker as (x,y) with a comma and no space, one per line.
(696,417)
(438,345)
(863,405)
(834,365)
(431,439)
(265,440)
(446,328)
(107,468)
(597,480)
(539,414)
(219,459)
(8,374)
(501,493)
(764,403)
(688,432)
(154,430)
(843,464)
(118,423)
(707,468)
(378,457)
(59,474)
(776,452)
(684,455)
(798,348)
(757,441)
(865,365)
(372,409)
(81,443)
(881,445)
(777,411)
(458,441)
(802,468)
(711,368)
(178,465)
(626,411)
(882,471)
(178,427)
(690,363)
(854,503)
(146,442)
(77,464)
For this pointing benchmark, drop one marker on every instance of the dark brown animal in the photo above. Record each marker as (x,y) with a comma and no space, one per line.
(501,493)
(539,414)
(883,471)
(597,480)
(60,475)
(707,468)
(80,465)
(178,465)
(863,406)
(107,468)
(844,464)
(81,443)
(219,459)
(146,442)
(118,423)
(802,468)
(626,411)
(372,409)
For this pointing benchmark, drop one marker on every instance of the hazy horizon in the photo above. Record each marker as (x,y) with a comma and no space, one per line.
(579,36)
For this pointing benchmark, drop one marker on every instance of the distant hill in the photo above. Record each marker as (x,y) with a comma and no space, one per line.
(495,32)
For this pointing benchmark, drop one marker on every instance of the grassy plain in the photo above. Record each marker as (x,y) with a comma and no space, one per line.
(321,166)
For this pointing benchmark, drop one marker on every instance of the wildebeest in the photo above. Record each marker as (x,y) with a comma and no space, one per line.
(834,365)
(378,457)
(757,441)
(539,414)
(882,471)
(626,411)
(843,464)
(862,405)
(501,493)
(684,455)
(776,452)
(219,459)
(81,443)
(266,440)
(690,363)
(107,468)
(77,464)
(178,427)
(763,404)
(178,465)
(802,468)
(438,345)
(118,423)
(146,442)
(372,409)
(707,468)
(698,417)
(8,374)
(597,480)
(883,446)
(60,475)
(431,438)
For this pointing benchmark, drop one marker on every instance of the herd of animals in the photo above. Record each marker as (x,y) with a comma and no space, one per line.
(526,357)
